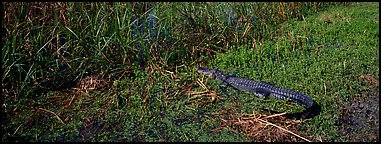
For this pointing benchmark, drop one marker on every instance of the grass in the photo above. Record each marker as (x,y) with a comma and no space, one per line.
(326,62)
(334,56)
(126,71)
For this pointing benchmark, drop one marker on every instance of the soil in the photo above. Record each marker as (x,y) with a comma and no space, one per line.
(360,117)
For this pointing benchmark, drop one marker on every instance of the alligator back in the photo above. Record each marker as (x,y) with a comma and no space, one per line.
(263,88)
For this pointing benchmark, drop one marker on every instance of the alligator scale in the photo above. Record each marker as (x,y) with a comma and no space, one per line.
(260,89)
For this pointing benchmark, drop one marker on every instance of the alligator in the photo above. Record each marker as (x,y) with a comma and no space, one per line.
(260,89)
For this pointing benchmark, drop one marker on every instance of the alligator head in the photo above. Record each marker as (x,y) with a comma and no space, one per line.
(213,73)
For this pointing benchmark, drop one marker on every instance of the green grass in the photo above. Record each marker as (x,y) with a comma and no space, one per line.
(112,77)
(337,56)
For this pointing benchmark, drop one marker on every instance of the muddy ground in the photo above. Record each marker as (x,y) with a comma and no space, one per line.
(360,117)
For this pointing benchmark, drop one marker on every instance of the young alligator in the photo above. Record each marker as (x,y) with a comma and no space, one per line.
(260,89)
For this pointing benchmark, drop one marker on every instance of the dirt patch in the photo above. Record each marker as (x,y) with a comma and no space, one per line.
(265,128)
(360,117)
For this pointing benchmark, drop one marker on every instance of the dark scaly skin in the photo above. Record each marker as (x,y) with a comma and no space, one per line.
(260,89)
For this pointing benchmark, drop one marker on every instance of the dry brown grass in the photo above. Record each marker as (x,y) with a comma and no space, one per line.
(93,82)
(265,128)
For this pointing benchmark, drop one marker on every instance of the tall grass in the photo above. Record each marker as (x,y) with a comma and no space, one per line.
(52,45)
